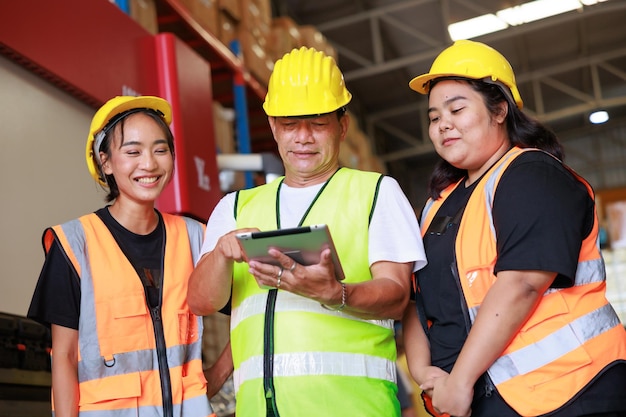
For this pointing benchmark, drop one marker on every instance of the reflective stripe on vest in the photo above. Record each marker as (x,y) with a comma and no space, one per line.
(319,363)
(118,377)
(317,353)
(313,363)
(197,403)
(571,328)
(561,342)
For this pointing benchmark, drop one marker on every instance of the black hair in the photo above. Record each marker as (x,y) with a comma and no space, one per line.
(523,131)
(111,128)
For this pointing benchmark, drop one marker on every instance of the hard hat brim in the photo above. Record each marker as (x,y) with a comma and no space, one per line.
(421,84)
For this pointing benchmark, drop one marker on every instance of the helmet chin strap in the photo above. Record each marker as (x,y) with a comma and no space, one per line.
(96,152)
(505,89)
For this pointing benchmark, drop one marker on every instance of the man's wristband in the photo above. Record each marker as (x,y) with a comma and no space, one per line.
(344,296)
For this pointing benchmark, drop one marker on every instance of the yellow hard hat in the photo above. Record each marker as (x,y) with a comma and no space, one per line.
(108,115)
(305,82)
(470,59)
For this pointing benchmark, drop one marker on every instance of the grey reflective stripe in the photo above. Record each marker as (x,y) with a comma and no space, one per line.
(490,188)
(426,209)
(318,364)
(196,235)
(88,340)
(193,407)
(587,272)
(91,365)
(287,301)
(555,345)
(137,361)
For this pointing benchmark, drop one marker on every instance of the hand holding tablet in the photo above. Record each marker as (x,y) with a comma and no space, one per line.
(302,244)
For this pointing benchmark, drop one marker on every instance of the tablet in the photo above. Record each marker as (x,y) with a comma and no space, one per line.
(302,244)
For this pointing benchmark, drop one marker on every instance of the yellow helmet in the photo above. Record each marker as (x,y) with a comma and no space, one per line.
(108,115)
(305,82)
(470,59)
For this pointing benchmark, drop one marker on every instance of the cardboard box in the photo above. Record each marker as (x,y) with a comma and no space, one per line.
(231,8)
(214,338)
(255,16)
(313,38)
(224,125)
(255,59)
(144,12)
(284,36)
(205,12)
(228,28)
(348,156)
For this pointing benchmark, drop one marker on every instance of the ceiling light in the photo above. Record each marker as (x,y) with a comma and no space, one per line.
(536,10)
(598,117)
(513,16)
(591,2)
(477,26)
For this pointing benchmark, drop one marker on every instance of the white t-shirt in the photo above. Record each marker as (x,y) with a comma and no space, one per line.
(394,233)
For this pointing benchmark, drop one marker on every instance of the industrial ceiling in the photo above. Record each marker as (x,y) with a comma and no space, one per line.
(566,67)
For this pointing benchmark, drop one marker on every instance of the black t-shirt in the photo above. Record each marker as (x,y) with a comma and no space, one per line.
(56,299)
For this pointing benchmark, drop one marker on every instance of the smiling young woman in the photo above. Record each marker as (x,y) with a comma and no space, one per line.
(114,282)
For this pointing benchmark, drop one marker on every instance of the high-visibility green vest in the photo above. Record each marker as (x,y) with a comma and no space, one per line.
(315,362)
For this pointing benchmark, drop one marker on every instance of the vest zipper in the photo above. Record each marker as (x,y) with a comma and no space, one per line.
(268,333)
(268,353)
(164,372)
(457,280)
(489,386)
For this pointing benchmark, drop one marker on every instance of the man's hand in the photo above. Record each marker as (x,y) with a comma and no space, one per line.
(316,282)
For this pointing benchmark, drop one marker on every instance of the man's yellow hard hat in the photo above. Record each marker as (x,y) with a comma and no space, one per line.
(305,82)
(108,115)
(470,59)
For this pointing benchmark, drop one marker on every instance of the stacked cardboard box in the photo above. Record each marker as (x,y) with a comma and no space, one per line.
(205,12)
(284,36)
(228,22)
(313,38)
(142,11)
(254,31)
(231,8)
(262,40)
(356,150)
(223,122)
(145,13)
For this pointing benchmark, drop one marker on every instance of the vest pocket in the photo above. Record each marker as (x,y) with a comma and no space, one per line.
(477,282)
(188,331)
(125,326)
(120,391)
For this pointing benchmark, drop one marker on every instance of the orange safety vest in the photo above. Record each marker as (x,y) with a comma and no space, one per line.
(572,334)
(118,361)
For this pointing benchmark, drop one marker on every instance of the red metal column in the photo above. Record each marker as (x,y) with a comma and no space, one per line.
(185,81)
